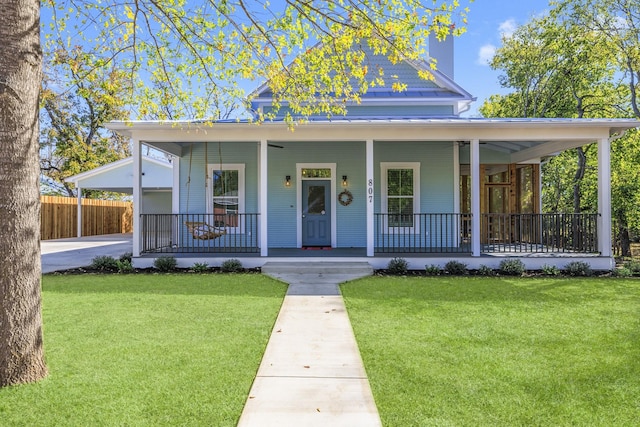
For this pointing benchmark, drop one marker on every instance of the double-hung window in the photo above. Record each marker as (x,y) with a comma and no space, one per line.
(226,194)
(400,194)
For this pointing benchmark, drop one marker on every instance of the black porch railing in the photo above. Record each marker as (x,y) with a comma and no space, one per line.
(422,233)
(539,233)
(199,233)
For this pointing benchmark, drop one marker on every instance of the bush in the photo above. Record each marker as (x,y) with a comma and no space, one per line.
(165,263)
(126,257)
(104,263)
(456,268)
(125,267)
(511,267)
(633,266)
(398,266)
(231,266)
(432,270)
(622,272)
(200,267)
(578,268)
(485,270)
(550,270)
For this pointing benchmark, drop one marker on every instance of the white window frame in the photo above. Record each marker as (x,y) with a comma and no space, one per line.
(384,192)
(240,167)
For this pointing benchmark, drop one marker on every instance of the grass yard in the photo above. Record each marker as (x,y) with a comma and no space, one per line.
(147,350)
(470,351)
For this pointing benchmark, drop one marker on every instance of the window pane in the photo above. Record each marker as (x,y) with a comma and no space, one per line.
(401,212)
(316,173)
(225,183)
(400,182)
(315,199)
(225,211)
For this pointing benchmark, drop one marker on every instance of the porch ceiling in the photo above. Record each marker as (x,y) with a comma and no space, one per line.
(523,139)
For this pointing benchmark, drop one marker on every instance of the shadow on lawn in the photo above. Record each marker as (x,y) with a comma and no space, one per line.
(252,285)
(478,289)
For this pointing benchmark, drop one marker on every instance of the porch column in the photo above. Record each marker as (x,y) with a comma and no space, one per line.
(264,247)
(79,216)
(137,198)
(474,151)
(604,197)
(175,188)
(370,198)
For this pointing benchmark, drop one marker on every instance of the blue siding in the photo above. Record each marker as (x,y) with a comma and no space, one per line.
(383,111)
(486,156)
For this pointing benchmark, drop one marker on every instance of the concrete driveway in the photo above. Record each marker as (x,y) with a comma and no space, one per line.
(63,254)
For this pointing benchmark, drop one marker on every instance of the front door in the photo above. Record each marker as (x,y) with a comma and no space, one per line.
(316,213)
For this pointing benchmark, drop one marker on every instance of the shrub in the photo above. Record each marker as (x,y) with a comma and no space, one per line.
(550,270)
(126,256)
(485,270)
(622,272)
(456,268)
(633,266)
(104,263)
(231,266)
(165,263)
(125,267)
(200,267)
(432,270)
(511,267)
(578,268)
(398,266)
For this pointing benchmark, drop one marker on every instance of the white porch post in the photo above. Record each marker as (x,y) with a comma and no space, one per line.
(137,196)
(370,198)
(604,197)
(474,152)
(79,216)
(175,187)
(264,246)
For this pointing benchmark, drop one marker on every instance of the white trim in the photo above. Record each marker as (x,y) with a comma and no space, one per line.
(456,190)
(474,154)
(79,213)
(175,189)
(298,180)
(370,194)
(240,167)
(384,206)
(604,197)
(263,235)
(137,196)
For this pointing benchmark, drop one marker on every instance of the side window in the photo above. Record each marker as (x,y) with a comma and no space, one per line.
(226,194)
(400,193)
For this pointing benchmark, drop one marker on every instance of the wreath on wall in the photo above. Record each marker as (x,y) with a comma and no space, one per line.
(345,198)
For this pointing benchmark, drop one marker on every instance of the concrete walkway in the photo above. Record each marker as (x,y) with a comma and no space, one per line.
(311,373)
(63,254)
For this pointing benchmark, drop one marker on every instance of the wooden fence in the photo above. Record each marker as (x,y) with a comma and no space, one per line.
(58,217)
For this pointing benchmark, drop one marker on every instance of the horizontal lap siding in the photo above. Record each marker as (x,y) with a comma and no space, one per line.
(349,159)
(436,171)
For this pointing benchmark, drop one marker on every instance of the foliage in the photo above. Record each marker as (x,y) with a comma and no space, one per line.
(432,270)
(316,56)
(634,266)
(550,270)
(527,345)
(165,263)
(398,266)
(125,266)
(104,263)
(455,268)
(126,256)
(622,272)
(232,265)
(578,268)
(200,267)
(511,267)
(485,270)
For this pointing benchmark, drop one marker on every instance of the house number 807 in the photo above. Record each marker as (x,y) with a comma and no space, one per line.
(370,190)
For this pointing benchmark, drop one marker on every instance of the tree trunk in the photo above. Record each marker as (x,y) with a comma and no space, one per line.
(21,351)
(577,194)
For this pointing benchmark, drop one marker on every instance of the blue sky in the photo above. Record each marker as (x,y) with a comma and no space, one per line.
(488,19)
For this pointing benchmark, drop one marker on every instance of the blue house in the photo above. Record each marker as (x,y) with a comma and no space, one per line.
(401,175)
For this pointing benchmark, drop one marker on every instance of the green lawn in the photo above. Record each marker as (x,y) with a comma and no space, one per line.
(467,351)
(147,350)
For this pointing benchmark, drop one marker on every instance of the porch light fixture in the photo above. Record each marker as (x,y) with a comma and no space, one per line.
(344,180)
(287,181)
